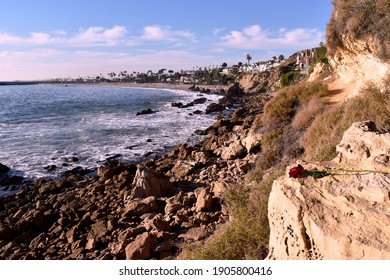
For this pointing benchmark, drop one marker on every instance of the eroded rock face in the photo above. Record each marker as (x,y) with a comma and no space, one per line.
(344,215)
(364,147)
(340,217)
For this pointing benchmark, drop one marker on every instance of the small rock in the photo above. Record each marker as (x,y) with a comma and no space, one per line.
(145,112)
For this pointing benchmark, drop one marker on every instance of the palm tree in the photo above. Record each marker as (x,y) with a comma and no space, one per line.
(248,58)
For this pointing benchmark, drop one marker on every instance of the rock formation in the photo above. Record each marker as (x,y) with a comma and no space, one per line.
(358,48)
(345,214)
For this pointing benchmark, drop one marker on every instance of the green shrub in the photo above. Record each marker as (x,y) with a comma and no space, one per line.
(289,78)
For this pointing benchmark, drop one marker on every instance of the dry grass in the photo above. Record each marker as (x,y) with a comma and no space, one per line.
(361,19)
(327,129)
(307,113)
(246,236)
(283,107)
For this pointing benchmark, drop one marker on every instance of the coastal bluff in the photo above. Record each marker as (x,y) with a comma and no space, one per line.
(344,214)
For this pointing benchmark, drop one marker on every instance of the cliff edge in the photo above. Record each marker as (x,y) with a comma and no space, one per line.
(344,214)
(358,44)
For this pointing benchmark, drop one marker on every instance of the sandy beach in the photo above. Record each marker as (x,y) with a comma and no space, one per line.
(164,85)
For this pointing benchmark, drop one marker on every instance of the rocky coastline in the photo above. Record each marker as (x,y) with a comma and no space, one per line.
(136,211)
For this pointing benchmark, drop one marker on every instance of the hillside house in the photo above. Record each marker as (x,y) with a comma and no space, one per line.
(304,60)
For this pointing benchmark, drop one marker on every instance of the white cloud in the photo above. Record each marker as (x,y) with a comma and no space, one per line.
(253,37)
(155,33)
(7,39)
(216,31)
(165,33)
(93,36)
(100,36)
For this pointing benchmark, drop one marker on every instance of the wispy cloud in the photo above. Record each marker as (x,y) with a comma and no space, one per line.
(100,36)
(254,37)
(92,36)
(165,33)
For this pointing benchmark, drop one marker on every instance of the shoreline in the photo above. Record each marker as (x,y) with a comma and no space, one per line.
(150,85)
(138,158)
(169,201)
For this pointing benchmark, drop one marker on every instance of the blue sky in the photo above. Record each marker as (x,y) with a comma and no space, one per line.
(48,39)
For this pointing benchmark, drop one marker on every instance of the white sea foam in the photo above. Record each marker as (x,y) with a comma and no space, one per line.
(92,124)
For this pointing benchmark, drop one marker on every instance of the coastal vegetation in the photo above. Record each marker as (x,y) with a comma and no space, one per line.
(360,20)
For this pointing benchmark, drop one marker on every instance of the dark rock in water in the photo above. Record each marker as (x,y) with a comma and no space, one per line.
(148,154)
(177,104)
(113,157)
(149,140)
(71,159)
(145,112)
(191,87)
(198,112)
(74,159)
(190,104)
(11,180)
(79,171)
(201,100)
(51,167)
(3,169)
(214,107)
(201,132)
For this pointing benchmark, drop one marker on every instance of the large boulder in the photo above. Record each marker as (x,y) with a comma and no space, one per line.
(233,151)
(344,214)
(214,107)
(137,207)
(141,247)
(147,182)
(183,168)
(252,140)
(364,147)
(335,217)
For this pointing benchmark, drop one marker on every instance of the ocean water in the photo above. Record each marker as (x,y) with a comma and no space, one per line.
(42,125)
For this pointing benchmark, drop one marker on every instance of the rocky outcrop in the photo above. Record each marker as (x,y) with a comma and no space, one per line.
(364,147)
(149,183)
(344,214)
(355,66)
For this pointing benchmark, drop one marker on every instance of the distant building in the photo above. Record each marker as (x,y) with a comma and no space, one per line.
(304,60)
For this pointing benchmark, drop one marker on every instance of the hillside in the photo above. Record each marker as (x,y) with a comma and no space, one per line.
(337,206)
(358,44)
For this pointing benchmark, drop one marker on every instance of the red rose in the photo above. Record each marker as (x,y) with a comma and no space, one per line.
(296,172)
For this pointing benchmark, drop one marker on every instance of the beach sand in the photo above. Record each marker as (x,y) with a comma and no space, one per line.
(165,86)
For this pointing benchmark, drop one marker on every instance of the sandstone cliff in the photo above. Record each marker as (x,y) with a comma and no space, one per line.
(344,215)
(358,44)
